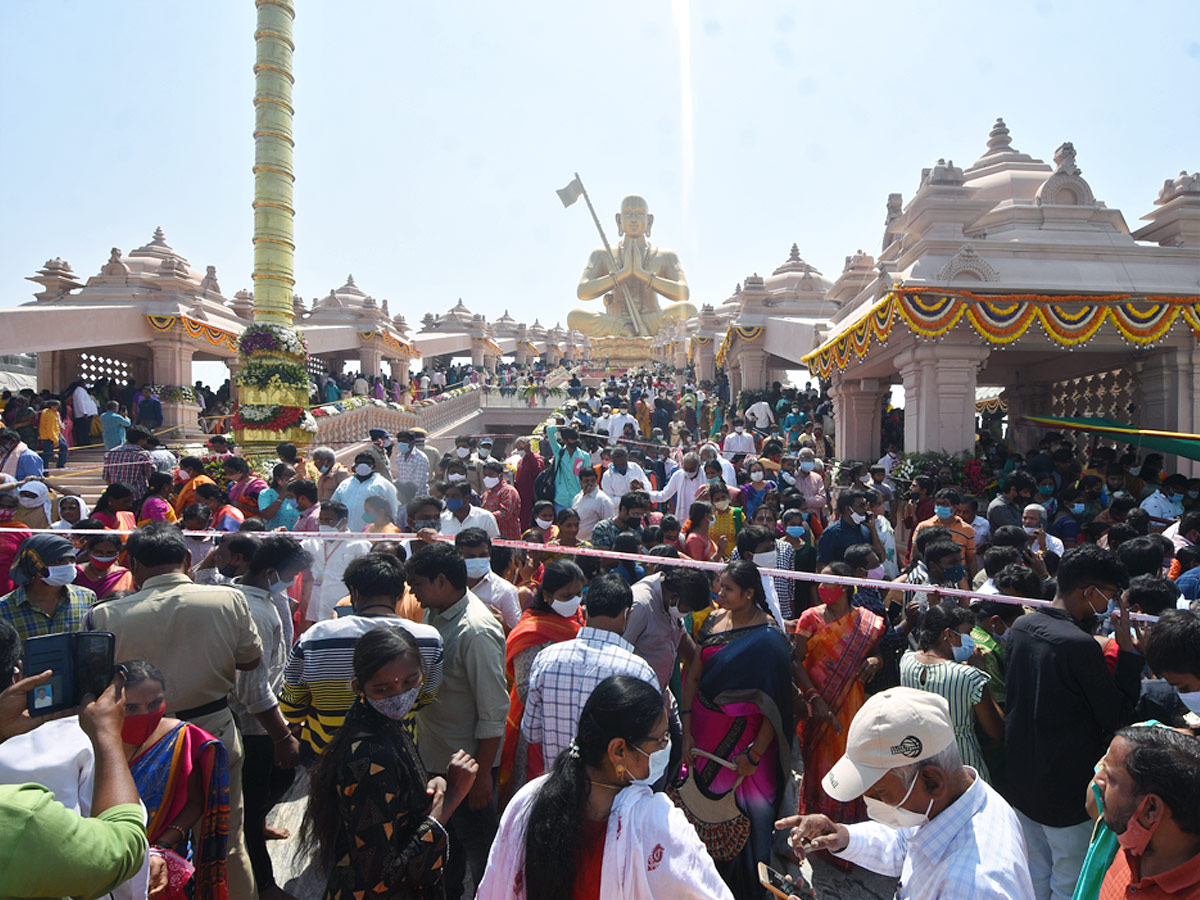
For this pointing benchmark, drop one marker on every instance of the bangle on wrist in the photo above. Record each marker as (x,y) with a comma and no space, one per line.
(284,737)
(812,695)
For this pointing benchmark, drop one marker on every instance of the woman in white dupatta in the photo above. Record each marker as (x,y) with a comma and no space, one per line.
(592,829)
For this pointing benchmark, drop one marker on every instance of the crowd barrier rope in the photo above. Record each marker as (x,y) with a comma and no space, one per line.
(558,549)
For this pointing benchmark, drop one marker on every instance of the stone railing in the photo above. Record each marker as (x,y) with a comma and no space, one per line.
(353,425)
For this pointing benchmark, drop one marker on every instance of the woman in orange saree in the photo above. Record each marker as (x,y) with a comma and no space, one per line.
(553,617)
(833,645)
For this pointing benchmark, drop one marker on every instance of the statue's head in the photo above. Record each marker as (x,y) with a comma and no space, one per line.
(634,219)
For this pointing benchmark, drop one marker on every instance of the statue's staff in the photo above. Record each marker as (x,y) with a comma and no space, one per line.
(569,195)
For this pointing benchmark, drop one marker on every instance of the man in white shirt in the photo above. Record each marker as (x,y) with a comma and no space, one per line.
(938,827)
(623,475)
(365,482)
(682,485)
(740,441)
(889,459)
(1033,519)
(565,674)
(592,504)
(762,417)
(1165,505)
(322,586)
(617,422)
(499,595)
(460,514)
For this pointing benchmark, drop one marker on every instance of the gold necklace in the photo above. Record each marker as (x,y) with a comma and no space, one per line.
(612,787)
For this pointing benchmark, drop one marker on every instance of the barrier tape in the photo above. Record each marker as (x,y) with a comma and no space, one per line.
(682,561)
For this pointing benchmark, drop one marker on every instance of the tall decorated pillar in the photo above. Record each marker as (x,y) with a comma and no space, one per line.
(273,383)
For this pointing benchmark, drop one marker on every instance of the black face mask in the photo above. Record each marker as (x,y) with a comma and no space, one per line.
(634,523)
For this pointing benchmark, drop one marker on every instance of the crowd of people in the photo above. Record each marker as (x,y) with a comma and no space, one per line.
(590,662)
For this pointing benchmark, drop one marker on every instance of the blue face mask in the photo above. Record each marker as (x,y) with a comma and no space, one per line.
(955,573)
(795,531)
(620,470)
(402,447)
(454,504)
(963,653)
(1077,508)
(943,512)
(1045,489)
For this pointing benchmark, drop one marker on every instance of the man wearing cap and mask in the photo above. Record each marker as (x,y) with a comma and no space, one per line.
(380,448)
(45,601)
(938,827)
(365,482)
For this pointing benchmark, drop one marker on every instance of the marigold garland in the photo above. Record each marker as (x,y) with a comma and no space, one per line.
(1066,320)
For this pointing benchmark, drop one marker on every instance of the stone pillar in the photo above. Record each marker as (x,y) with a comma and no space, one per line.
(703,359)
(477,354)
(372,361)
(399,369)
(1169,399)
(337,365)
(234,365)
(856,417)
(939,395)
(753,362)
(171,366)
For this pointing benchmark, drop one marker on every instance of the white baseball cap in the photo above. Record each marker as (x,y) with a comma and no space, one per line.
(898,727)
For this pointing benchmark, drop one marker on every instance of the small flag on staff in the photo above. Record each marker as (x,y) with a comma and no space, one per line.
(571,192)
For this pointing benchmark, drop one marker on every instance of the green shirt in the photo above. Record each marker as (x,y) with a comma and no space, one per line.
(993,662)
(47,850)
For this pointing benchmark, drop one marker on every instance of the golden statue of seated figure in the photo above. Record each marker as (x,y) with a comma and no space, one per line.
(644,270)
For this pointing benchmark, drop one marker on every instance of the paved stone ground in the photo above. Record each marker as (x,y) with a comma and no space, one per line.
(298,879)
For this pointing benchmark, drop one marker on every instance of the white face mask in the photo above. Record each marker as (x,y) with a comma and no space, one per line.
(895,816)
(60,575)
(857,518)
(1029,530)
(395,707)
(477,568)
(658,764)
(521,453)
(485,452)
(362,470)
(567,608)
(544,524)
(1191,700)
(490,481)
(757,476)
(739,429)
(278,586)
(462,452)
(328,529)
(764,560)
(457,476)
(29,502)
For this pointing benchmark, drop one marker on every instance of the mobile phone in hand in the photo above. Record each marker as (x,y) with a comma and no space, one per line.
(783,886)
(81,663)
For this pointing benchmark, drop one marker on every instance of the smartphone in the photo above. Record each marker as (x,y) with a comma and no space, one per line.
(81,663)
(783,886)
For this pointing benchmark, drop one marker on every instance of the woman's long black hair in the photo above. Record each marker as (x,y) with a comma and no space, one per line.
(319,830)
(620,706)
(745,575)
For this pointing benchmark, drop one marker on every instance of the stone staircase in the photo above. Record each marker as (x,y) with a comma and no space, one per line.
(82,474)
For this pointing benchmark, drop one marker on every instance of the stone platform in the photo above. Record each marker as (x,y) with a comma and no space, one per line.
(622,351)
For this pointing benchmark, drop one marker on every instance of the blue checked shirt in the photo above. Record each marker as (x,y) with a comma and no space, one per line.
(563,677)
(974,848)
(30,621)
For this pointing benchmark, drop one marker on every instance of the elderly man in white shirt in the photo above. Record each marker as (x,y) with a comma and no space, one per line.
(619,477)
(1033,519)
(683,485)
(331,553)
(592,504)
(938,827)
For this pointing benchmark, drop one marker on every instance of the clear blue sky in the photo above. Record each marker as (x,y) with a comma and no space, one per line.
(431,137)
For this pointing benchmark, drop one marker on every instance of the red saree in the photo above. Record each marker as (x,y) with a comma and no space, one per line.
(533,630)
(835,651)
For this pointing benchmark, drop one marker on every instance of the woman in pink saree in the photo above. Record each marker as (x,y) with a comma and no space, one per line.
(737,705)
(101,573)
(182,776)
